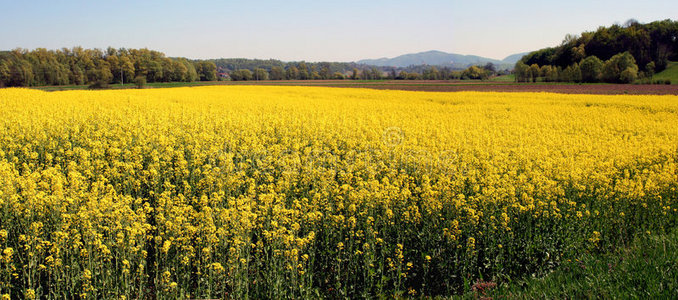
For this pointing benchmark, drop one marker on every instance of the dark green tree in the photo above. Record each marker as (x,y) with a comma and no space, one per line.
(535,72)
(650,69)
(303,71)
(260,74)
(207,70)
(241,75)
(617,64)
(629,75)
(292,73)
(591,69)
(522,72)
(277,73)
(354,74)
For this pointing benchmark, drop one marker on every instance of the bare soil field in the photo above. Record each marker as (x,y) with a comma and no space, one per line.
(607,89)
(484,86)
(426,85)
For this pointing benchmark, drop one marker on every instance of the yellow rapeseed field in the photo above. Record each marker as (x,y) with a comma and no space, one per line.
(273,192)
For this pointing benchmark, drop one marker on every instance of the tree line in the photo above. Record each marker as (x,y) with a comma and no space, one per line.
(255,69)
(98,68)
(242,69)
(620,68)
(77,66)
(325,71)
(615,54)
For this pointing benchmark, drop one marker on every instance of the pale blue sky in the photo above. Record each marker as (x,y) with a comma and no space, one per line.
(314,30)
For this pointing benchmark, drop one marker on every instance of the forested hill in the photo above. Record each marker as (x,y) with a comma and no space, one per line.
(439,58)
(655,42)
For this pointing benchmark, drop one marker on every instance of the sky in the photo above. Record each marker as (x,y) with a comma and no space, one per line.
(318,30)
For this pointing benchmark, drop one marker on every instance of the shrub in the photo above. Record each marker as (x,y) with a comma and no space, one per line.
(629,75)
(241,75)
(620,69)
(140,82)
(97,85)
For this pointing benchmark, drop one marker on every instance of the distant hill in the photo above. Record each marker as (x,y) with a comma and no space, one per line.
(513,59)
(440,58)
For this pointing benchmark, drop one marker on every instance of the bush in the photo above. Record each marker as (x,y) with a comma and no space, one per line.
(620,68)
(140,82)
(667,81)
(474,72)
(629,75)
(97,85)
(241,75)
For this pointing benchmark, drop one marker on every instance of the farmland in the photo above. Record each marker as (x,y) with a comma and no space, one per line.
(427,85)
(304,191)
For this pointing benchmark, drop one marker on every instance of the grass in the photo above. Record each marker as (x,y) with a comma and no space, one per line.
(505,78)
(202,83)
(456,85)
(647,268)
(671,73)
(114,86)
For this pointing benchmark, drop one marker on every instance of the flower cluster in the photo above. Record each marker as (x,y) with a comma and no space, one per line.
(275,192)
